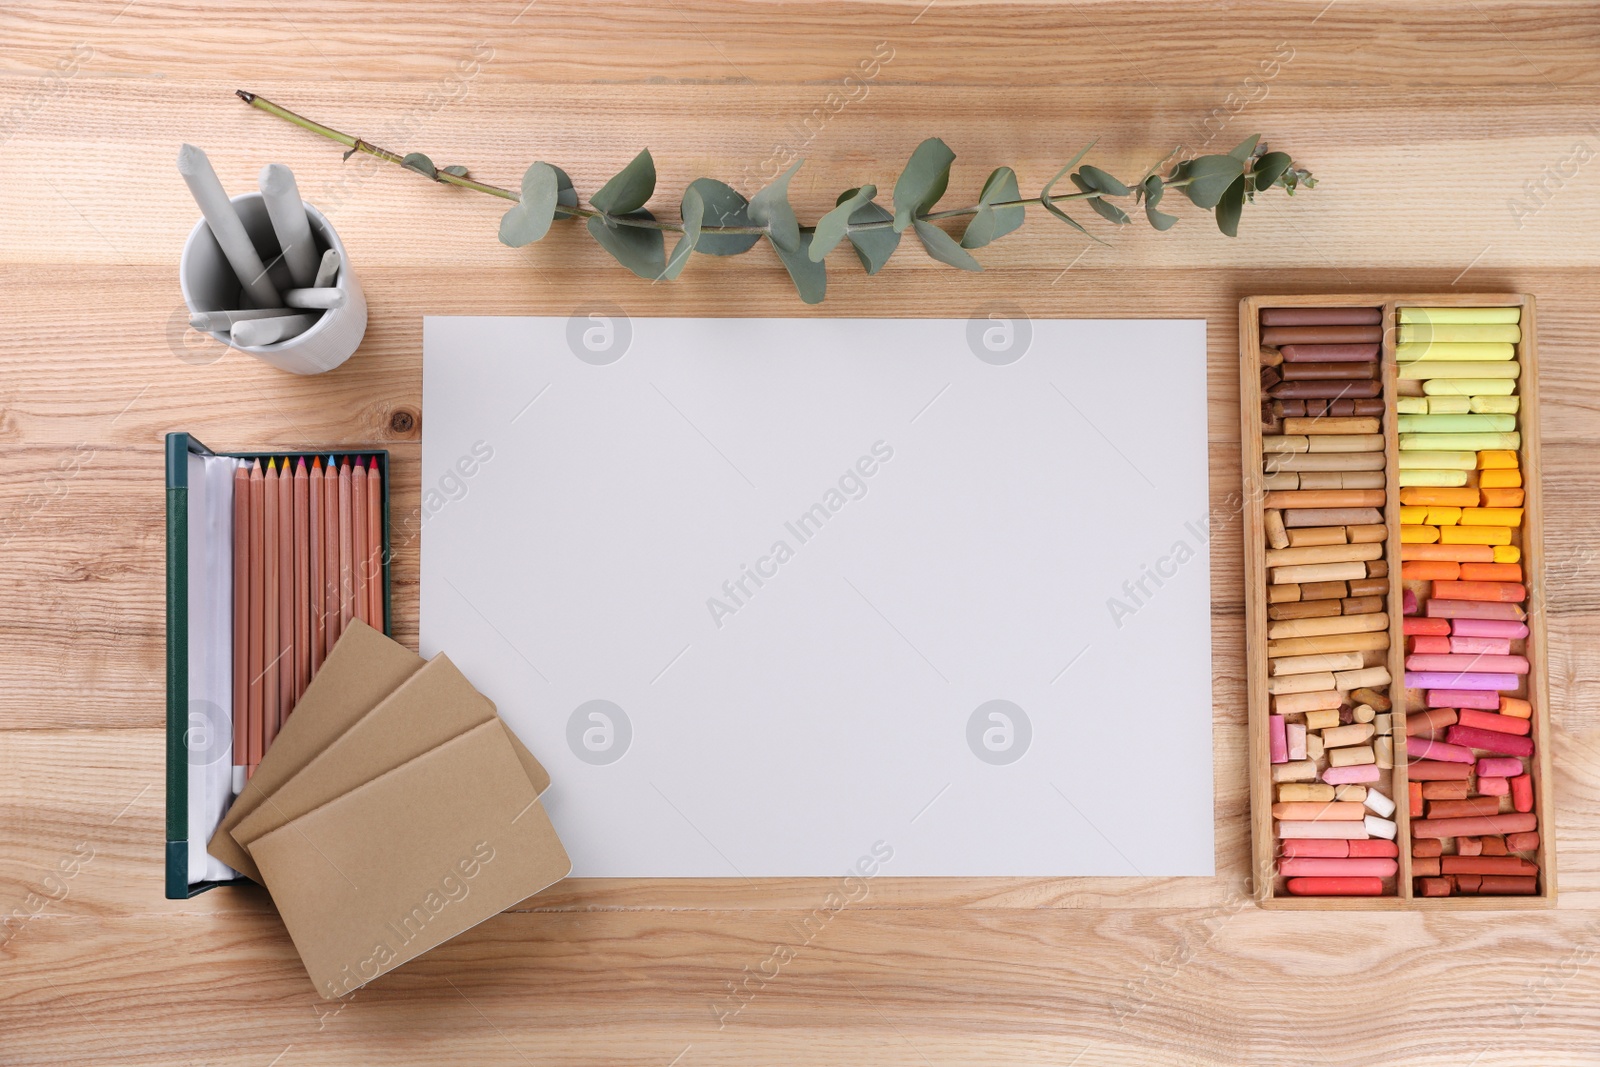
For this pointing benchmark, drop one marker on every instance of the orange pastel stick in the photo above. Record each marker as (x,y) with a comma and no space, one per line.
(1500,498)
(1497,459)
(1491,572)
(1425,865)
(1427,847)
(1415,789)
(1459,553)
(1499,479)
(1309,811)
(1440,496)
(1422,570)
(1494,592)
(1516,707)
(1505,823)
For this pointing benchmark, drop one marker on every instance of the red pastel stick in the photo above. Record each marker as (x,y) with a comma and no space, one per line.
(1373,848)
(1489,741)
(1333,868)
(1508,884)
(1522,793)
(1417,625)
(1303,847)
(1515,865)
(1336,887)
(1510,822)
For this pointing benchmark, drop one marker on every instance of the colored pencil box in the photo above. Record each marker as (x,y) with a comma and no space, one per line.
(199,603)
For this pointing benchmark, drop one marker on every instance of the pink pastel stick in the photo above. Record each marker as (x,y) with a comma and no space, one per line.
(1351,775)
(1475,646)
(1296,733)
(1473,609)
(1461,680)
(1489,741)
(1301,847)
(1422,748)
(1277,739)
(1484,664)
(1483,700)
(1317,867)
(1489,628)
(1499,767)
(1408,603)
(1494,787)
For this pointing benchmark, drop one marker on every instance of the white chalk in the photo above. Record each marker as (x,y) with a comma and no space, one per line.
(327,270)
(224,320)
(226,227)
(282,198)
(314,298)
(254,332)
(1379,804)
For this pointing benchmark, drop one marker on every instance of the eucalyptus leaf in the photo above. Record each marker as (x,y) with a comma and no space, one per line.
(529,219)
(923,182)
(420,163)
(693,212)
(1049,204)
(770,209)
(724,206)
(1230,207)
(1154,190)
(810,276)
(457,170)
(1098,204)
(875,246)
(1210,177)
(990,222)
(629,189)
(943,247)
(1270,167)
(1095,178)
(832,227)
(641,250)
(1246,148)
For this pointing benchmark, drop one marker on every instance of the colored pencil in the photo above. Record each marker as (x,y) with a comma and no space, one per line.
(358,538)
(330,551)
(258,618)
(302,579)
(319,622)
(285,592)
(347,587)
(270,647)
(375,552)
(241,623)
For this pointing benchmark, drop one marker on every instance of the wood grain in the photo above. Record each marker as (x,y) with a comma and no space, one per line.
(1425,123)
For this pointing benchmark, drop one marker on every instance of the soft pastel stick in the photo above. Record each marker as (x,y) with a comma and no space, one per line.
(1507,628)
(1458,314)
(1326,848)
(1461,680)
(1296,735)
(1452,333)
(1456,353)
(1522,798)
(1438,771)
(1336,887)
(1432,478)
(1508,885)
(1374,848)
(1440,608)
(1477,663)
(1438,461)
(1494,405)
(1419,535)
(1489,741)
(1499,479)
(1475,535)
(1321,829)
(1481,699)
(1458,553)
(1277,739)
(1497,459)
(1500,498)
(1454,809)
(1491,517)
(1510,822)
(1427,723)
(1528,842)
(1497,767)
(1429,645)
(1363,772)
(1433,887)
(1464,370)
(1492,572)
(1420,625)
(1455,423)
(1494,787)
(1320,867)
(1465,497)
(1474,646)
(1469,386)
(1516,706)
(1486,865)
(1493,592)
(1488,720)
(1335,810)
(1448,405)
(1420,747)
(1428,570)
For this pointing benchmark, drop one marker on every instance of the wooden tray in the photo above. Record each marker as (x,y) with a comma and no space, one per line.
(1530,537)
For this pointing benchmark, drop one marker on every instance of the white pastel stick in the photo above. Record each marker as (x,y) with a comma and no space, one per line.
(315,298)
(253,332)
(327,270)
(289,222)
(226,227)
(1378,804)
(224,320)
(1379,827)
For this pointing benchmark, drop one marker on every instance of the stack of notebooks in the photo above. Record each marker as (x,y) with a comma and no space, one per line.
(393,811)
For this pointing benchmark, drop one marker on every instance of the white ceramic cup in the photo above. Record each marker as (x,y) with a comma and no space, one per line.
(209,284)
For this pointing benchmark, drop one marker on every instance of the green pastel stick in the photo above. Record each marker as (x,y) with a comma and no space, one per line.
(1444,479)
(1442,461)
(1413,350)
(1457,423)
(1456,442)
(1455,315)
(1453,333)
(1425,369)
(1504,404)
(1469,387)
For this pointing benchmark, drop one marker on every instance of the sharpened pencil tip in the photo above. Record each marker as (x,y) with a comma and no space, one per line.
(316,463)
(302,463)
(374,463)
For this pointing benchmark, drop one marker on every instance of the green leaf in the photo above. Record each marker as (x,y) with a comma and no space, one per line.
(989,222)
(421,164)
(1153,192)
(693,211)
(770,209)
(1098,204)
(1270,167)
(640,250)
(1049,204)
(810,276)
(832,227)
(1245,148)
(873,247)
(943,247)
(456,169)
(1229,208)
(724,206)
(629,189)
(923,182)
(1098,180)
(543,187)
(1210,178)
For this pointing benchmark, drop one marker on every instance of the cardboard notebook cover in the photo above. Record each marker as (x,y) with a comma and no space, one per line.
(410,859)
(431,707)
(363,668)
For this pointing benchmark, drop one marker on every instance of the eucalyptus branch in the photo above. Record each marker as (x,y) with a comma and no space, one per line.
(716,219)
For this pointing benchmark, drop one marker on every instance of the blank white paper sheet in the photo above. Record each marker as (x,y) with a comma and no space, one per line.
(769,596)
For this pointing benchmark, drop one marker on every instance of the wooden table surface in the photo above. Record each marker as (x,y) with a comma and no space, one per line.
(1455,146)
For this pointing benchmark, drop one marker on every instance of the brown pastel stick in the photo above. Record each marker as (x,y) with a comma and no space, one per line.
(1433,887)
(1283,594)
(1453,790)
(1369,587)
(1329,353)
(1509,885)
(1342,661)
(1341,480)
(1514,865)
(1365,533)
(1270,376)
(1333,517)
(1425,866)
(1326,498)
(1511,822)
(1326,390)
(1427,770)
(1280,557)
(1349,442)
(1318,572)
(1357,643)
(1285,408)
(1366,406)
(1305,372)
(1378,568)
(1361,605)
(1270,357)
(1324,591)
(1304,609)
(1341,316)
(1300,703)
(1372,698)
(1450,809)
(1322,335)
(1338,624)
(1306,536)
(1428,846)
(1301,683)
(1277,536)
(1286,480)
(1325,461)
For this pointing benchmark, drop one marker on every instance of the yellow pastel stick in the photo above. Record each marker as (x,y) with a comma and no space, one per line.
(1425,369)
(1434,352)
(1507,554)
(1444,516)
(1413,515)
(1418,535)
(1474,535)
(1433,478)
(1497,459)
(1458,442)
(1455,315)
(1460,332)
(1499,479)
(1438,461)
(1491,516)
(1411,405)
(1448,405)
(1469,387)
(1500,405)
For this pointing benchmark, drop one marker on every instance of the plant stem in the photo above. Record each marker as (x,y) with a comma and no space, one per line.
(356,144)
